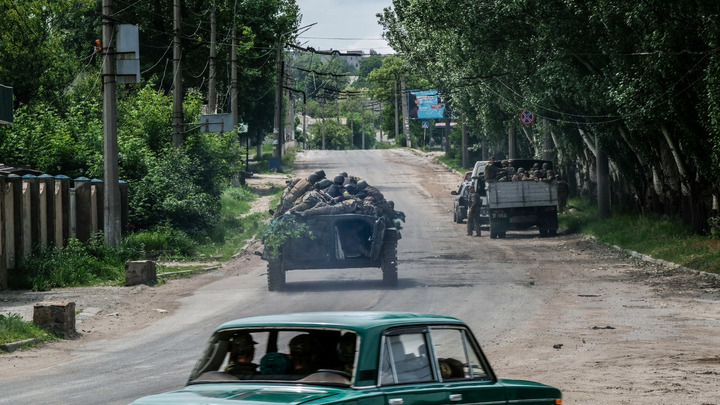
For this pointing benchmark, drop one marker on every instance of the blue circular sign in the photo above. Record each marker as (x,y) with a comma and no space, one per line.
(527,117)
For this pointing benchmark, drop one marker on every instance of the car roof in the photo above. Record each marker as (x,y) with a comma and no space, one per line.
(354,320)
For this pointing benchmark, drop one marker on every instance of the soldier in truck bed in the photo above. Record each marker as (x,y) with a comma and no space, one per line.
(491,171)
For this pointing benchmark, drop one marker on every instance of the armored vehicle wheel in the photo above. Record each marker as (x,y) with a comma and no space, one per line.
(388,260)
(276,276)
(493,235)
(455,217)
(552,232)
(543,232)
(501,235)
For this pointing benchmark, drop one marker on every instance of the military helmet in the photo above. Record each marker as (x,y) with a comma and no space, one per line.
(320,174)
(361,185)
(351,188)
(546,166)
(339,180)
(344,174)
(504,163)
(301,345)
(536,166)
(538,173)
(549,172)
(243,343)
(313,178)
(521,170)
(324,183)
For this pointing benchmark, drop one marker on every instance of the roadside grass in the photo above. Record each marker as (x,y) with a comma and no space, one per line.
(14,329)
(655,236)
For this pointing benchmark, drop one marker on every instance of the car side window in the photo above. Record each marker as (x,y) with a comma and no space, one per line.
(405,359)
(455,354)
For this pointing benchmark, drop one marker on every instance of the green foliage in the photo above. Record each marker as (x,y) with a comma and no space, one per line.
(337,135)
(282,230)
(161,241)
(656,236)
(14,329)
(73,266)
(637,77)
(170,192)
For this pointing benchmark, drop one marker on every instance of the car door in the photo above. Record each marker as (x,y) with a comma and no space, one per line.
(464,372)
(406,375)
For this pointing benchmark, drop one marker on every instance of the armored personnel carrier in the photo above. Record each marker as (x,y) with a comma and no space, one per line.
(351,232)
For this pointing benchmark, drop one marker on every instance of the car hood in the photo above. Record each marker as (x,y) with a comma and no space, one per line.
(225,393)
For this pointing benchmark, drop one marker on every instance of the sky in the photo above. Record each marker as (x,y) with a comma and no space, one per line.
(344,25)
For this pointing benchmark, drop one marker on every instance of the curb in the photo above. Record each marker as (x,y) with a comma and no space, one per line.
(11,347)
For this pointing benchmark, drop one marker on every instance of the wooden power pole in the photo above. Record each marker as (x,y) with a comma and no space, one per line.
(111,195)
(178,132)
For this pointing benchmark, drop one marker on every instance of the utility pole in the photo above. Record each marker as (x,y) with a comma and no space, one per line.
(323,124)
(363,126)
(212,95)
(111,194)
(234,80)
(406,119)
(397,124)
(178,133)
(465,141)
(278,131)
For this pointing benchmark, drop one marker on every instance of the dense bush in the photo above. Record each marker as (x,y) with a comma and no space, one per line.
(77,264)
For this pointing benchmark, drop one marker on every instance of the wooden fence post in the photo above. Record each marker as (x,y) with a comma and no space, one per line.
(83,211)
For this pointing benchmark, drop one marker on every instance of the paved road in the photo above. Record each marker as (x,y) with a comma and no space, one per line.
(491,284)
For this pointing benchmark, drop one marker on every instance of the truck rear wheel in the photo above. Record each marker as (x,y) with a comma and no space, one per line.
(276,276)
(388,260)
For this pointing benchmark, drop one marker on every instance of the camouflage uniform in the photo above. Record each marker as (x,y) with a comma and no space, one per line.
(310,200)
(296,188)
(491,171)
(473,220)
(343,207)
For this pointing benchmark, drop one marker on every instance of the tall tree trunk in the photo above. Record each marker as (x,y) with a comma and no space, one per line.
(693,211)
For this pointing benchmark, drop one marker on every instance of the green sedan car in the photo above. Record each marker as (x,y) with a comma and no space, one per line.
(349,358)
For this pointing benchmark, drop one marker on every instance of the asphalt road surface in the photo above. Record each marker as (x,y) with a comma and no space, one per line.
(521,295)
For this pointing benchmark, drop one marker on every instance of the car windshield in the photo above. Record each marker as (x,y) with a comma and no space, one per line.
(312,356)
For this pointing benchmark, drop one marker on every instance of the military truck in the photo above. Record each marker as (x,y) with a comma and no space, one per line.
(333,242)
(521,204)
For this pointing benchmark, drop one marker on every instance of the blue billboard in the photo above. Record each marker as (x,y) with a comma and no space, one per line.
(423,104)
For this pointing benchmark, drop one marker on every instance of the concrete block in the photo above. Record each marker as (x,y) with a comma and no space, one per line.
(140,272)
(57,318)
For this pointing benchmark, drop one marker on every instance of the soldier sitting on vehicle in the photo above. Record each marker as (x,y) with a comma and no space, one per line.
(337,190)
(303,353)
(242,351)
(519,175)
(491,171)
(313,197)
(550,176)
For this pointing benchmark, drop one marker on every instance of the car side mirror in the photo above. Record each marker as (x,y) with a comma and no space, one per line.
(453,192)
(271,211)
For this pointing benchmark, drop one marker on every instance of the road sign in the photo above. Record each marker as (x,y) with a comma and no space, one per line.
(425,125)
(527,117)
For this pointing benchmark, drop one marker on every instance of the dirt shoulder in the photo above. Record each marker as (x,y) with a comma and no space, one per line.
(612,328)
(109,311)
